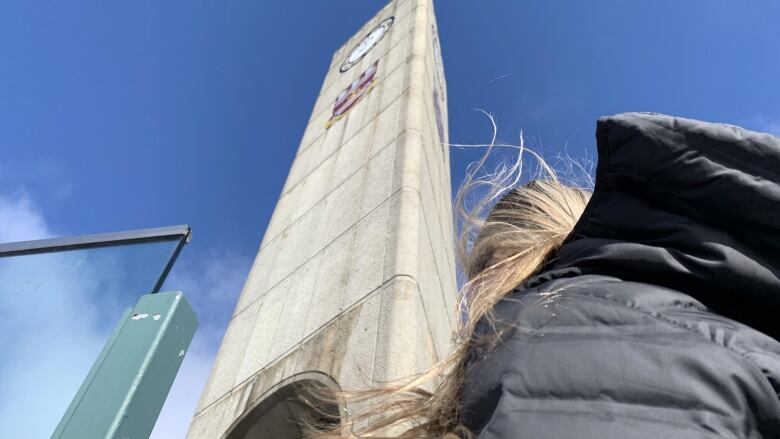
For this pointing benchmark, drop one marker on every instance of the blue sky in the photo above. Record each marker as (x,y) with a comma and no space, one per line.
(129,115)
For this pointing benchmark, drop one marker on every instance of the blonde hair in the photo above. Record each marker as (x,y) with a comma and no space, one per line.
(496,253)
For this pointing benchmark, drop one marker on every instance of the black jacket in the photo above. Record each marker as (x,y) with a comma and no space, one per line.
(656,319)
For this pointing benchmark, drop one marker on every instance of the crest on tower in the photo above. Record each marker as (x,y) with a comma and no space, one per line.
(352,94)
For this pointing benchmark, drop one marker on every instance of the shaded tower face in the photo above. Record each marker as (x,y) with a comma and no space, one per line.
(354,283)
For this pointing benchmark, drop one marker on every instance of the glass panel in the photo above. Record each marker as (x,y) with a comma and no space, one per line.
(56,312)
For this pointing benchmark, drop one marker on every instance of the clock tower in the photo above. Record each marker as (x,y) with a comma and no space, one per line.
(354,282)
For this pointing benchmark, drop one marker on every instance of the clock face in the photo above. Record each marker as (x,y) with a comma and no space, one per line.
(366,44)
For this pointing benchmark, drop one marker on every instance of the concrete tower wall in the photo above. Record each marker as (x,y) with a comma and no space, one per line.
(354,281)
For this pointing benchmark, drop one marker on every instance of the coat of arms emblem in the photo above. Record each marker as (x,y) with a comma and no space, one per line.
(352,94)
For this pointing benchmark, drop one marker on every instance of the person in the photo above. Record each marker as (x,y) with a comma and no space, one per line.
(647,308)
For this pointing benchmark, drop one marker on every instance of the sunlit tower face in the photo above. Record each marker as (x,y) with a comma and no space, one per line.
(354,284)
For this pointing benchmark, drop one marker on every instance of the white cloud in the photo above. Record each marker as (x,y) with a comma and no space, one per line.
(42,325)
(20,220)
(39,329)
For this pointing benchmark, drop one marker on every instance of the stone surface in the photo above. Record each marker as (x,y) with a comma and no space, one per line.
(404,345)
(355,276)
(225,370)
(354,353)
(213,421)
(377,187)
(258,345)
(331,282)
(364,273)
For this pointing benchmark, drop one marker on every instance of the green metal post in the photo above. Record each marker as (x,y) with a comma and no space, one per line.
(123,393)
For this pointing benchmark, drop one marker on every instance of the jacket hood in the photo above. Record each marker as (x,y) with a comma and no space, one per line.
(688,205)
